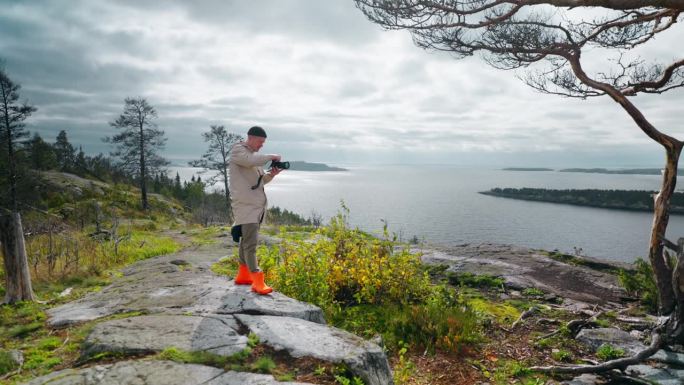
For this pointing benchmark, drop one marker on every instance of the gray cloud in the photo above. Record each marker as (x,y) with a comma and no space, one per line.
(326,83)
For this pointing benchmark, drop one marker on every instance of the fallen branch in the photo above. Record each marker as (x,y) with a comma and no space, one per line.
(620,363)
(575,326)
(527,313)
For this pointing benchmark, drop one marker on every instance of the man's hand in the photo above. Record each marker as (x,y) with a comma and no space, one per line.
(274,171)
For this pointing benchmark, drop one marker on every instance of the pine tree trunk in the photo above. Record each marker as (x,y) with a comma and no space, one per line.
(143,176)
(17,276)
(661,217)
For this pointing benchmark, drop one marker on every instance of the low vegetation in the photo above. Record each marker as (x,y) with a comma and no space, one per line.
(640,283)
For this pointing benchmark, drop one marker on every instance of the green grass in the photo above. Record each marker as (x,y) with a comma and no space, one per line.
(607,352)
(21,331)
(580,261)
(236,361)
(207,235)
(562,355)
(513,372)
(226,266)
(7,363)
(533,292)
(263,364)
(475,280)
(202,358)
(503,313)
(144,245)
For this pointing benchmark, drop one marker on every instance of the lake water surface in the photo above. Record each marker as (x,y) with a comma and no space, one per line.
(441,204)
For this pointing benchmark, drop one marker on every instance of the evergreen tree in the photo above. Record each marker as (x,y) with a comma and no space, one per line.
(12,129)
(41,154)
(139,143)
(65,152)
(81,163)
(12,116)
(177,187)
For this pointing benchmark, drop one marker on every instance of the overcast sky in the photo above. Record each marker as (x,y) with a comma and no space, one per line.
(325,83)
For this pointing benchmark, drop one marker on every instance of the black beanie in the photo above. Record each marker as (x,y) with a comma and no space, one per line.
(257,131)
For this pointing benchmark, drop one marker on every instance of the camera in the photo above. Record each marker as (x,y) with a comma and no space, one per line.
(280,165)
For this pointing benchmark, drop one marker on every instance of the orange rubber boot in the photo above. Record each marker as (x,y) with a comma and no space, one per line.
(243,277)
(258,284)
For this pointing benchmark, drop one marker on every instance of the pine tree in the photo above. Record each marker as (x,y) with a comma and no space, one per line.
(139,143)
(41,154)
(12,116)
(65,152)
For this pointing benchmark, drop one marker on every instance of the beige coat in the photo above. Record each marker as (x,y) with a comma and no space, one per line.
(249,206)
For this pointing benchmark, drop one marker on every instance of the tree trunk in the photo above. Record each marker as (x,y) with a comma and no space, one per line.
(11,167)
(143,185)
(676,331)
(225,184)
(661,217)
(17,276)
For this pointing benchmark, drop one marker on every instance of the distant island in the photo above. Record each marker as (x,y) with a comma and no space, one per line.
(299,165)
(633,171)
(635,200)
(527,169)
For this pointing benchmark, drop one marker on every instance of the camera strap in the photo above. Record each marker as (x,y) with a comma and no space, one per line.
(256,186)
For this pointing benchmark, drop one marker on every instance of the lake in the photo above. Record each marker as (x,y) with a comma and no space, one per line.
(441,204)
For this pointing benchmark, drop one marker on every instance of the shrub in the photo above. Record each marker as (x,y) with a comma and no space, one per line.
(641,283)
(365,285)
(346,267)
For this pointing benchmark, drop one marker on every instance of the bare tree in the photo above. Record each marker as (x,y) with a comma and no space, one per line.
(217,156)
(548,38)
(139,144)
(12,116)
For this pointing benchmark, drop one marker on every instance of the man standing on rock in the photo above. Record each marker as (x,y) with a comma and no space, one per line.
(248,200)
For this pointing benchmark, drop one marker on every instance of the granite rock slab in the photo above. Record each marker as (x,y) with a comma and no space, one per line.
(154,333)
(154,373)
(616,338)
(658,375)
(522,267)
(159,285)
(239,299)
(301,338)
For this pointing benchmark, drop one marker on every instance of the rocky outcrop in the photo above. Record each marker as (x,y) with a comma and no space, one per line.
(154,373)
(522,268)
(162,285)
(186,306)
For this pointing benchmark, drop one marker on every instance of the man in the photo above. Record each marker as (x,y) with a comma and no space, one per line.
(248,200)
